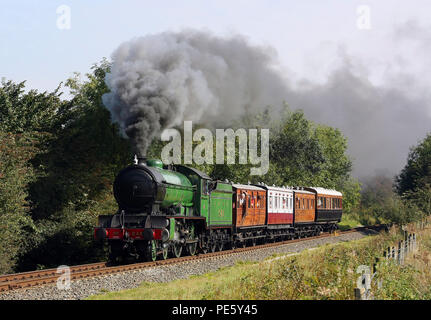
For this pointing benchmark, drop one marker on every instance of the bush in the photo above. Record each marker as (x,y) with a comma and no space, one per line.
(15,174)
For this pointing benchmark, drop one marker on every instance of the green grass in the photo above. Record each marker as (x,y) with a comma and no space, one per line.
(348,221)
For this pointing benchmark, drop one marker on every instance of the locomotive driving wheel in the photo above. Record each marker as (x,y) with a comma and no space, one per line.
(165,252)
(191,248)
(152,251)
(177,249)
(213,246)
(204,248)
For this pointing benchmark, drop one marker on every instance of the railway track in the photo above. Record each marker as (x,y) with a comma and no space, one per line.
(42,277)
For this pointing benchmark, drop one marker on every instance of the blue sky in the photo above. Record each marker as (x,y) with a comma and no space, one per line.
(304,33)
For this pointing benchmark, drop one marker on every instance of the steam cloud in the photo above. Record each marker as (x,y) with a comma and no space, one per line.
(159,81)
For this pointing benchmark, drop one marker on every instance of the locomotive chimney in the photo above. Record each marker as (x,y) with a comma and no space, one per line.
(140,160)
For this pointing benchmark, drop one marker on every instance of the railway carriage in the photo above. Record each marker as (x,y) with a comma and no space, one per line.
(304,213)
(280,206)
(329,207)
(279,217)
(249,213)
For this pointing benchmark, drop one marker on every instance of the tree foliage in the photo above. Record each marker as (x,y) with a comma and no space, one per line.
(15,174)
(22,111)
(417,172)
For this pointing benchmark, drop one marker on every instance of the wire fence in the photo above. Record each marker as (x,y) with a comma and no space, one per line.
(395,254)
(399,253)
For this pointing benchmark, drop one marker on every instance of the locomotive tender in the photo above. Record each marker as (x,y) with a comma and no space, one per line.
(166,210)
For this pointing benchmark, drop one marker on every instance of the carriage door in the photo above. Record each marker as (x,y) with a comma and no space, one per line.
(242,207)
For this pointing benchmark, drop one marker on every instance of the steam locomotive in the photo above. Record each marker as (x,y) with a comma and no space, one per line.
(173,210)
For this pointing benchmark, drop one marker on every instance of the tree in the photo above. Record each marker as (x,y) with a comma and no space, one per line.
(295,150)
(27,112)
(376,190)
(81,160)
(417,172)
(75,169)
(15,173)
(336,168)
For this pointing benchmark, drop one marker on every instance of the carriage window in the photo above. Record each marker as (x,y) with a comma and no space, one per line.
(270,202)
(242,198)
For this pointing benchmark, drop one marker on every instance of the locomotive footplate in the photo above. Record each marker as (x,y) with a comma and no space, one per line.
(132,227)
